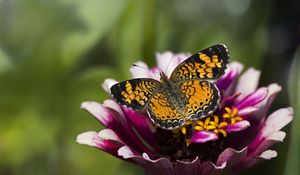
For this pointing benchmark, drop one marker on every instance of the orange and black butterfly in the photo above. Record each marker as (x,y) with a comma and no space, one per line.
(189,94)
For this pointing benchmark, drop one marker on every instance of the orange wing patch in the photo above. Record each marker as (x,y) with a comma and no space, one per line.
(202,98)
(209,63)
(139,93)
(206,69)
(200,70)
(135,93)
(163,112)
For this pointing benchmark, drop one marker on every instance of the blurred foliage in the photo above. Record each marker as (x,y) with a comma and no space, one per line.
(293,159)
(55,54)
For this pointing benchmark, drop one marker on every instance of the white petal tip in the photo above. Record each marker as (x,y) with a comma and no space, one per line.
(125,152)
(268,155)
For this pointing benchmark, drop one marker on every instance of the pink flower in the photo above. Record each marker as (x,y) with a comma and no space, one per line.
(237,136)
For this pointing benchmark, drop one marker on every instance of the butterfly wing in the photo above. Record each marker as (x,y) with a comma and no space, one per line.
(209,64)
(163,113)
(202,98)
(135,93)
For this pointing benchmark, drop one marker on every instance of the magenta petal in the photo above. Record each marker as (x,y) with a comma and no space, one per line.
(231,157)
(184,168)
(142,124)
(253,98)
(152,167)
(114,118)
(238,126)
(230,75)
(203,136)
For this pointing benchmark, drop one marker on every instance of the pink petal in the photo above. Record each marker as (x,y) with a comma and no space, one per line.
(231,157)
(112,104)
(277,120)
(248,82)
(98,111)
(270,133)
(141,70)
(108,83)
(253,98)
(91,138)
(167,61)
(125,152)
(273,90)
(203,136)
(238,126)
(247,110)
(108,134)
(152,167)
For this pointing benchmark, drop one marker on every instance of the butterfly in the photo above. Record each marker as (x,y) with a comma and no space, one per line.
(189,94)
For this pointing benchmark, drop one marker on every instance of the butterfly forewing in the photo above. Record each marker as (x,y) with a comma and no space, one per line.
(135,93)
(163,113)
(202,98)
(208,64)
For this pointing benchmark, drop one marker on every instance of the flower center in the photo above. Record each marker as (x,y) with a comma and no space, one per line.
(177,145)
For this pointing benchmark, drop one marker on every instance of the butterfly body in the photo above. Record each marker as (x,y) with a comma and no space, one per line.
(189,93)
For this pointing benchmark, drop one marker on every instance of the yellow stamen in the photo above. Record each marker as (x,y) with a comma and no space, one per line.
(238,118)
(223,132)
(226,115)
(198,128)
(232,115)
(207,120)
(199,122)
(216,119)
(183,130)
(189,122)
(234,112)
(211,127)
(228,110)
(222,124)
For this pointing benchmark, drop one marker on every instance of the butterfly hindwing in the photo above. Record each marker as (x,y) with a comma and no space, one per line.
(202,98)
(208,64)
(163,113)
(135,93)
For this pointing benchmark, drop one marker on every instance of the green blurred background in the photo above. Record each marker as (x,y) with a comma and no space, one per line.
(54,54)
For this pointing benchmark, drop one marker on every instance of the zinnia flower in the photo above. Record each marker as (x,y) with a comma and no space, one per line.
(237,136)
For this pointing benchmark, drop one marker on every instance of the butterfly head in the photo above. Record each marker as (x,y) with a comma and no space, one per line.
(163,76)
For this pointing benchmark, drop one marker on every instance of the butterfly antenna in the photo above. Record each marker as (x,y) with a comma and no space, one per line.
(146,68)
(139,66)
